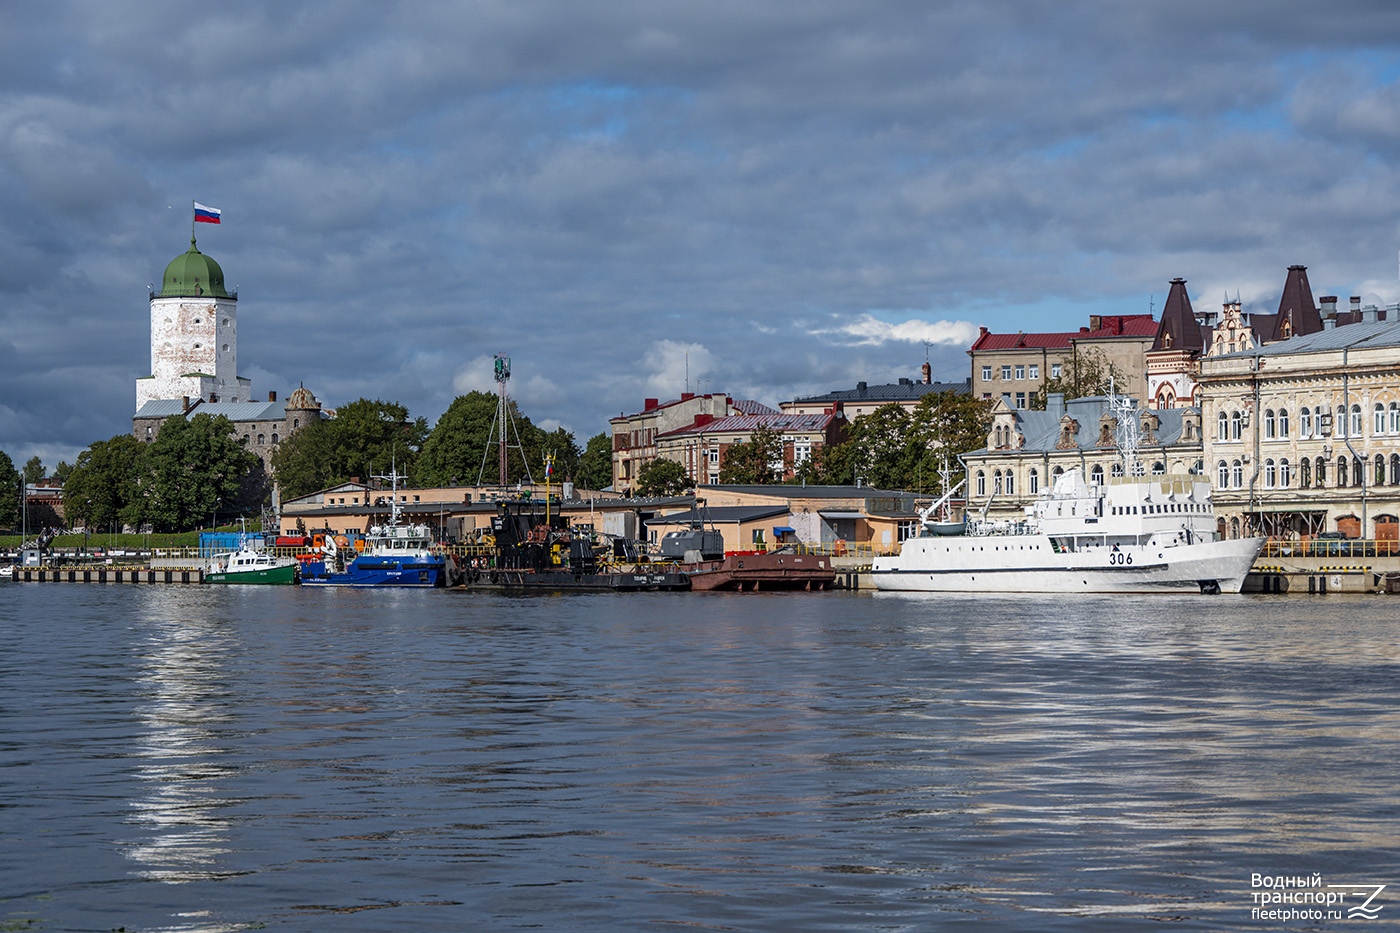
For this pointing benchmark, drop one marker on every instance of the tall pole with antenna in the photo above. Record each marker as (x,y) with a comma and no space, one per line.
(502,376)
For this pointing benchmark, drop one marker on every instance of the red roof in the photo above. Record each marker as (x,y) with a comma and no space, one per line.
(1110,325)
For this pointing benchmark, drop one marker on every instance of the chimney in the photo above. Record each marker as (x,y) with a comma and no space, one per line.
(1055,404)
(860,387)
(904,381)
(1370,314)
(1355,304)
(271,396)
(649,404)
(1329,307)
(687,396)
(184,404)
(928,375)
(1095,322)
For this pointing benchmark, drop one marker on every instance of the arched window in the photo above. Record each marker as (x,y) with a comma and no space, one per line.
(1394,413)
(262,439)
(1341,471)
(1159,468)
(1010,483)
(296,423)
(1199,469)
(1057,472)
(274,438)
(1395,469)
(1283,423)
(1269,424)
(1096,475)
(1341,425)
(1234,527)
(1304,473)
(1116,469)
(1356,421)
(1305,423)
(1236,426)
(996,482)
(1270,473)
(981,483)
(1236,474)
(1320,473)
(1380,470)
(1222,478)
(1033,482)
(1358,473)
(1222,427)
(1285,477)
(1378,419)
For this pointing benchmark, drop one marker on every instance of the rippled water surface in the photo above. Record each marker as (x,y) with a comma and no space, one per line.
(222,758)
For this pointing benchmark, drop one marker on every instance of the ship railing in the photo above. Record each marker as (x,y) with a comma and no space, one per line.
(1330,547)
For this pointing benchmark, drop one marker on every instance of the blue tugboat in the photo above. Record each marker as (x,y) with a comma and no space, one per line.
(393,555)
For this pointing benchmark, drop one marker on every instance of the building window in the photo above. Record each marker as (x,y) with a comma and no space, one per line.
(1270,473)
(1305,426)
(996,483)
(1236,426)
(1269,424)
(1320,473)
(986,374)
(1020,372)
(1021,400)
(1395,469)
(1159,468)
(1034,371)
(1006,373)
(1304,473)
(1378,419)
(1380,470)
(1010,483)
(1096,476)
(1222,427)
(1283,423)
(714,455)
(1236,474)
(801,453)
(262,439)
(1285,477)
(1033,481)
(981,484)
(1356,421)
(274,438)
(1222,478)
(1055,370)
(1341,471)
(1394,417)
(1199,469)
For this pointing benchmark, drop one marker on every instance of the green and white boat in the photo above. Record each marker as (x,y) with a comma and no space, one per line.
(249,566)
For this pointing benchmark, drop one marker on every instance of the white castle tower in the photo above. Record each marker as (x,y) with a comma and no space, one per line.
(194,336)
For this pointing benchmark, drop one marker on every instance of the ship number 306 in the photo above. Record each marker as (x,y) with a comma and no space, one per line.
(1118,557)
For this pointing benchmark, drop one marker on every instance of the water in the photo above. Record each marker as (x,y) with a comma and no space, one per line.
(211,758)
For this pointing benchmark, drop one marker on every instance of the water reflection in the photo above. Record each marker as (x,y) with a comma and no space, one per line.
(184,710)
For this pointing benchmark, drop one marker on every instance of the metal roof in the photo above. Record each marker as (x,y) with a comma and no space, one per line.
(725,514)
(233,411)
(905,391)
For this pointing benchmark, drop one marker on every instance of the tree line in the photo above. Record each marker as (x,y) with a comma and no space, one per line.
(197,469)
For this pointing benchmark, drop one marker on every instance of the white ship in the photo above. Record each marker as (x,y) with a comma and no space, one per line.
(1134,534)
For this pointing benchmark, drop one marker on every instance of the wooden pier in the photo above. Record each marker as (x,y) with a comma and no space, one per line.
(105,574)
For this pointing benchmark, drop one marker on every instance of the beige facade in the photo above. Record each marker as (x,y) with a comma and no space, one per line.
(701,447)
(634,436)
(1027,450)
(1013,367)
(1303,435)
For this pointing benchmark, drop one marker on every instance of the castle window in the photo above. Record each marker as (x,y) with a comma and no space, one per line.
(262,439)
(274,438)
(296,423)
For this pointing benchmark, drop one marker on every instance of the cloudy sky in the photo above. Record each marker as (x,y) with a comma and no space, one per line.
(775,199)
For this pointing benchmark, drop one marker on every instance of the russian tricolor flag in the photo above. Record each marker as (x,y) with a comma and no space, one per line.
(206,215)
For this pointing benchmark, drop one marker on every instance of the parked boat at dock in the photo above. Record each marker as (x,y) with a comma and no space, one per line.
(251,566)
(1132,534)
(390,555)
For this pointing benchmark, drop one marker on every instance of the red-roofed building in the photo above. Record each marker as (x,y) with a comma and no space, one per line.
(634,436)
(1013,367)
(700,447)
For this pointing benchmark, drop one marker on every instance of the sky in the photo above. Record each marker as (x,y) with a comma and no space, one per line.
(636,199)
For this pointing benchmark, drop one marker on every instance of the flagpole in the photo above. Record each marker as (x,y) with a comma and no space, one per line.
(192,202)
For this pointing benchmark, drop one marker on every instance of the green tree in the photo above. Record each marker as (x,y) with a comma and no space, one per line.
(101,488)
(560,442)
(62,472)
(663,477)
(192,468)
(894,448)
(365,438)
(9,492)
(885,449)
(595,466)
(949,423)
(464,445)
(33,470)
(757,461)
(1089,373)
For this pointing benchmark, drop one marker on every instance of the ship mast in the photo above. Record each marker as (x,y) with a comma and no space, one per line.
(1128,433)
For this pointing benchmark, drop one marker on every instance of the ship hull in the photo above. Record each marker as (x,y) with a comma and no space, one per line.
(367,571)
(1030,564)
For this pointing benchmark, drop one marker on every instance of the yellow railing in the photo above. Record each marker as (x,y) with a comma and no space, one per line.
(1330,547)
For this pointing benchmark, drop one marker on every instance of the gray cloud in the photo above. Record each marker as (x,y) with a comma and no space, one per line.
(802,192)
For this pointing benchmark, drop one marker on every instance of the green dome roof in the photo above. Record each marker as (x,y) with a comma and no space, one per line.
(193,275)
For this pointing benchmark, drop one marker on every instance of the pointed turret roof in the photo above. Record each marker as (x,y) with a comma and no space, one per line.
(1297,315)
(1179,329)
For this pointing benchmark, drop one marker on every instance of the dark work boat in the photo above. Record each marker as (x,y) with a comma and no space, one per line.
(533,547)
